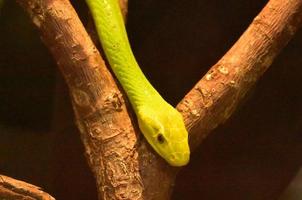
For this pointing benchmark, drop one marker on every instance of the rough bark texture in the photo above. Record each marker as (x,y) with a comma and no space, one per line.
(12,189)
(214,98)
(124,165)
(101,115)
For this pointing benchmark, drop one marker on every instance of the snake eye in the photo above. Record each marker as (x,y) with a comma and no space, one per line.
(160,138)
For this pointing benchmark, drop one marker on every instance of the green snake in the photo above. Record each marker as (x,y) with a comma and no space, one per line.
(161,124)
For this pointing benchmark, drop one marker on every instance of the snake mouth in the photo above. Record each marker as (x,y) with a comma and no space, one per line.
(176,159)
(179,159)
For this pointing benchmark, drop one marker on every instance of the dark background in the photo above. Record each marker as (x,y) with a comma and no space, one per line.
(253,156)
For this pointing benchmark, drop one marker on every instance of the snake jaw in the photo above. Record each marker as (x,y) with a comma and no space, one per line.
(179,159)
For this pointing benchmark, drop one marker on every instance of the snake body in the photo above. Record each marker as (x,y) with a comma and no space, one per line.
(161,124)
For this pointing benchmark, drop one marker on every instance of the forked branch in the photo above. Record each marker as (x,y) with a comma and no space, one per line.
(123,164)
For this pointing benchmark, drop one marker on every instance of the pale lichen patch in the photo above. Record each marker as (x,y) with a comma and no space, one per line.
(114,101)
(195,113)
(81,98)
(223,70)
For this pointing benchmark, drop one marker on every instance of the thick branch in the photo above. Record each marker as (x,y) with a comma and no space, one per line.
(214,98)
(14,189)
(110,140)
(106,128)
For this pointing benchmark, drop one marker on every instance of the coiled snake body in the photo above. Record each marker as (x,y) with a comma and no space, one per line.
(161,124)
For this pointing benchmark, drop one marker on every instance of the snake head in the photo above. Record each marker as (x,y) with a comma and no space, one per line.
(164,129)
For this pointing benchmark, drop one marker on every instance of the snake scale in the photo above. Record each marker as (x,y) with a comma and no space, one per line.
(161,124)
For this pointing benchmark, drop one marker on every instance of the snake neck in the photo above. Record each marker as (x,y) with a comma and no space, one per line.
(111,29)
(138,89)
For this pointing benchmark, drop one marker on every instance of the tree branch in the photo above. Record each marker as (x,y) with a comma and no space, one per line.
(106,128)
(14,189)
(123,164)
(214,98)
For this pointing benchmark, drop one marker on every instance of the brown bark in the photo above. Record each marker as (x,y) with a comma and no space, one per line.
(14,189)
(124,166)
(104,122)
(214,98)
